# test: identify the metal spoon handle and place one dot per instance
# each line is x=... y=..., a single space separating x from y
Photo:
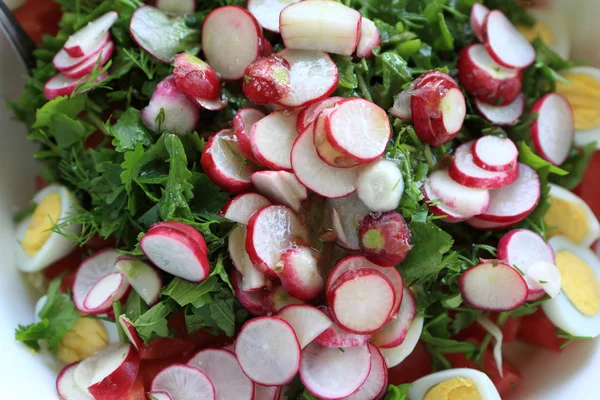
x=17 y=37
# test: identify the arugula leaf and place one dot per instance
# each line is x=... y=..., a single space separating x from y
x=135 y=307
x=153 y=322
x=397 y=392
x=184 y=292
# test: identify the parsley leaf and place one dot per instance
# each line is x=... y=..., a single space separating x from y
x=129 y=131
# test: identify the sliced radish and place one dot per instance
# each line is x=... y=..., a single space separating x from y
x=280 y=186
x=176 y=6
x=318 y=25
x=271 y=231
x=437 y=207
x=313 y=75
x=223 y=164
x=82 y=70
x=278 y=298
x=235 y=29
x=268 y=351
x=225 y=373
x=60 y=85
x=385 y=238
x=85 y=40
x=240 y=208
x=243 y=120
x=485 y=79
x=393 y=333
x=180 y=114
x=505 y=43
x=461 y=199
x=109 y=288
x=337 y=337
x=507 y=115
x=544 y=276
x=66 y=387
x=493 y=153
x=300 y=275
x=487 y=225
x=176 y=253
x=144 y=279
x=327 y=152
x=308 y=322
x=465 y=172
x=159 y=396
x=316 y=174
x=329 y=373
x=196 y=78
x=479 y=12
x=376 y=384
x=362 y=300
x=191 y=232
x=254 y=301
x=346 y=214
x=267 y=392
x=493 y=286
x=553 y=130
x=515 y=202
x=62 y=61
x=309 y=114
x=130 y=332
x=267 y=80
x=110 y=372
x=91 y=271
x=211 y=105
x=272 y=139
x=180 y=380
x=396 y=355
x=252 y=278
x=267 y=12
x=535 y=296
x=369 y=38
x=401 y=108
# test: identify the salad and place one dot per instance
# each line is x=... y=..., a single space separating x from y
x=281 y=199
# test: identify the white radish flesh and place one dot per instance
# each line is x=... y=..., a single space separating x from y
x=308 y=321
x=544 y=276
x=281 y=187
x=278 y=298
x=83 y=42
x=337 y=337
x=495 y=154
x=496 y=333
x=346 y=214
x=267 y=392
x=180 y=380
x=235 y=29
x=553 y=130
x=109 y=288
x=66 y=387
x=300 y=275
x=313 y=76
x=401 y=108
x=329 y=373
x=461 y=199
x=272 y=139
x=224 y=371
x=90 y=272
x=144 y=279
x=159 y=396
x=94 y=61
x=60 y=85
x=267 y=12
x=369 y=38
x=309 y=114
x=327 y=152
x=437 y=207
x=192 y=233
x=243 y=120
x=505 y=43
x=479 y=13
x=176 y=6
x=507 y=115
x=393 y=333
x=240 y=208
x=493 y=286
x=319 y=25
x=252 y=279
x=396 y=355
x=211 y=105
x=253 y=301
x=62 y=61
x=376 y=384
x=268 y=351
x=130 y=331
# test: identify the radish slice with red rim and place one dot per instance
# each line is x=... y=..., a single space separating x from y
x=66 y=387
x=337 y=337
x=109 y=288
x=144 y=279
x=157 y=395
x=85 y=40
x=346 y=214
x=553 y=130
x=377 y=381
x=243 y=120
x=505 y=43
x=437 y=207
x=62 y=61
x=369 y=38
x=90 y=272
x=88 y=66
x=252 y=279
x=461 y=199
x=401 y=108
x=300 y=275
x=395 y=355
x=394 y=332
x=479 y=13
x=487 y=225
x=329 y=373
x=267 y=12
x=493 y=286
x=268 y=392
x=240 y=208
x=493 y=153
x=189 y=231
x=130 y=332
x=544 y=276
x=507 y=115
x=180 y=380
x=277 y=298
x=211 y=105
x=309 y=114
x=60 y=85
x=268 y=351
x=308 y=321
x=253 y=301
x=224 y=371
x=327 y=152
x=176 y=6
x=280 y=186
x=272 y=139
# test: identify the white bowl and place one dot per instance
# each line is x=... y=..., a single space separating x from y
x=571 y=374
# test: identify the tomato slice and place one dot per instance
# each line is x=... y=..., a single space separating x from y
x=538 y=330
x=38 y=18
x=415 y=366
x=136 y=392
x=66 y=264
x=589 y=190
x=510 y=329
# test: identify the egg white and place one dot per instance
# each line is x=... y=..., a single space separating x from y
x=556 y=23
x=559 y=310
x=594 y=226
x=395 y=355
x=57 y=246
x=484 y=385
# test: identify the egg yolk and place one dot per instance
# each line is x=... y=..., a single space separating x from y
x=566 y=219
x=583 y=93
x=454 y=389
x=579 y=283
x=539 y=29
x=43 y=219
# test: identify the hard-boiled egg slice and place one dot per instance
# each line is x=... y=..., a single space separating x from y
x=570 y=216
x=577 y=309
x=551 y=27
x=583 y=93
x=457 y=383
x=37 y=245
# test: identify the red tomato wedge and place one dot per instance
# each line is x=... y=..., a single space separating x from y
x=38 y=18
x=538 y=330
x=415 y=366
x=66 y=264
x=136 y=392
x=588 y=189
x=510 y=330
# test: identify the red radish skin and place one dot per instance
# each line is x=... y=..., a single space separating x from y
x=485 y=79
x=395 y=355
x=223 y=166
x=62 y=61
x=317 y=25
x=235 y=29
x=487 y=225
x=176 y=6
x=130 y=332
x=272 y=139
x=464 y=171
x=329 y=373
x=268 y=351
x=385 y=238
x=252 y=279
x=479 y=13
x=361 y=301
x=266 y=47
x=267 y=80
x=224 y=371
x=369 y=38
x=240 y=208
x=60 y=85
x=337 y=337
x=243 y=120
x=66 y=387
x=513 y=203
x=85 y=40
x=553 y=130
x=196 y=78
x=251 y=301
x=507 y=46
x=277 y=298
x=142 y=277
x=300 y=275
x=267 y=13
x=280 y=186
x=313 y=77
x=309 y=114
x=307 y=321
x=460 y=199
x=82 y=70
x=376 y=384
x=507 y=115
x=331 y=155
x=496 y=154
x=211 y=105
x=268 y=392
x=493 y=286
x=90 y=272
x=393 y=333
x=437 y=207
x=109 y=288
x=191 y=232
x=346 y=214
x=179 y=380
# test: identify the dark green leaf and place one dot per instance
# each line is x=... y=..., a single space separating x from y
x=129 y=131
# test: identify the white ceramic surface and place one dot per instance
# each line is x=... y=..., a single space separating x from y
x=571 y=375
